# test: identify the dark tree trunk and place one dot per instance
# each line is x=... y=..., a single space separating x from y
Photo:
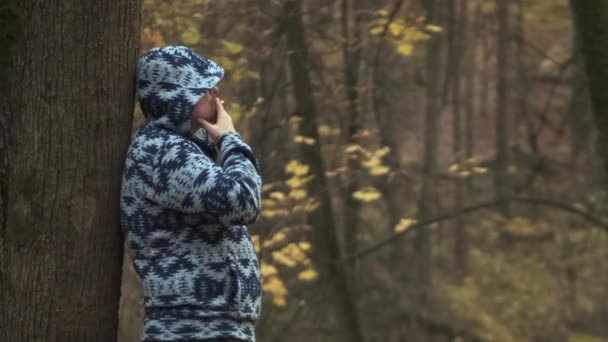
x=351 y=55
x=458 y=46
x=422 y=240
x=71 y=104
x=591 y=17
x=580 y=117
x=325 y=236
x=501 y=173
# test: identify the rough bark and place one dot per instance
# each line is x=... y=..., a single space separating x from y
x=71 y=100
x=325 y=236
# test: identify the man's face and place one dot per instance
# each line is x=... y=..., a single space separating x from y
x=206 y=107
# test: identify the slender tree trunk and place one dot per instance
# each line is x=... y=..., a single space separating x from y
x=591 y=18
x=580 y=112
x=351 y=55
x=471 y=61
x=458 y=46
x=422 y=240
x=71 y=104
x=325 y=236
x=501 y=173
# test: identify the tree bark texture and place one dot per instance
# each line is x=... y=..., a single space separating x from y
x=71 y=102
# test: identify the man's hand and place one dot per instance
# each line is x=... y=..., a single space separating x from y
x=222 y=125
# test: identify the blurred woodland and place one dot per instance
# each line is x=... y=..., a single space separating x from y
x=371 y=116
x=432 y=169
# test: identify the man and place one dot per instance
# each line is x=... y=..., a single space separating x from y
x=185 y=200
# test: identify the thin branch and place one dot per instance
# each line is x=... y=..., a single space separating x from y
x=540 y=201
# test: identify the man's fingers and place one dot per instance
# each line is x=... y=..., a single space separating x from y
x=220 y=105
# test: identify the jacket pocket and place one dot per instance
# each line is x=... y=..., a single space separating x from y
x=217 y=288
x=249 y=287
x=211 y=287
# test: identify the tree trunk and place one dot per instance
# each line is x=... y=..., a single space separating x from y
x=580 y=117
x=325 y=236
x=422 y=240
x=351 y=55
x=501 y=173
x=460 y=240
x=71 y=104
x=591 y=17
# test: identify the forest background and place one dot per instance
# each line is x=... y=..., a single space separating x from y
x=416 y=109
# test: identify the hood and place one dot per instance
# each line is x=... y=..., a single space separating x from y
x=170 y=82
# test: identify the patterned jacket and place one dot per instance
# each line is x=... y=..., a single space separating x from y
x=184 y=206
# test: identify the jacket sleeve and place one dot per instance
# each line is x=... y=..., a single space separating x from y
x=186 y=180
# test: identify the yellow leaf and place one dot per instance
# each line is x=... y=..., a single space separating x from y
x=404 y=224
x=379 y=170
x=405 y=49
x=283 y=259
x=481 y=170
x=269 y=186
x=367 y=194
x=277 y=195
x=304 y=140
x=253 y=75
x=454 y=168
x=293 y=252
x=354 y=148
x=304 y=245
x=273 y=213
x=311 y=205
x=307 y=275
x=372 y=162
x=276 y=287
x=434 y=28
x=382 y=12
x=376 y=30
x=268 y=203
x=296 y=168
x=381 y=152
x=395 y=28
x=279 y=301
x=297 y=194
x=255 y=240
x=266 y=270
x=473 y=160
x=325 y=130
x=579 y=206
x=191 y=36
x=232 y=47
x=297 y=182
x=276 y=238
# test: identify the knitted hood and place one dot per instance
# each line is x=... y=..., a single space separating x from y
x=170 y=82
